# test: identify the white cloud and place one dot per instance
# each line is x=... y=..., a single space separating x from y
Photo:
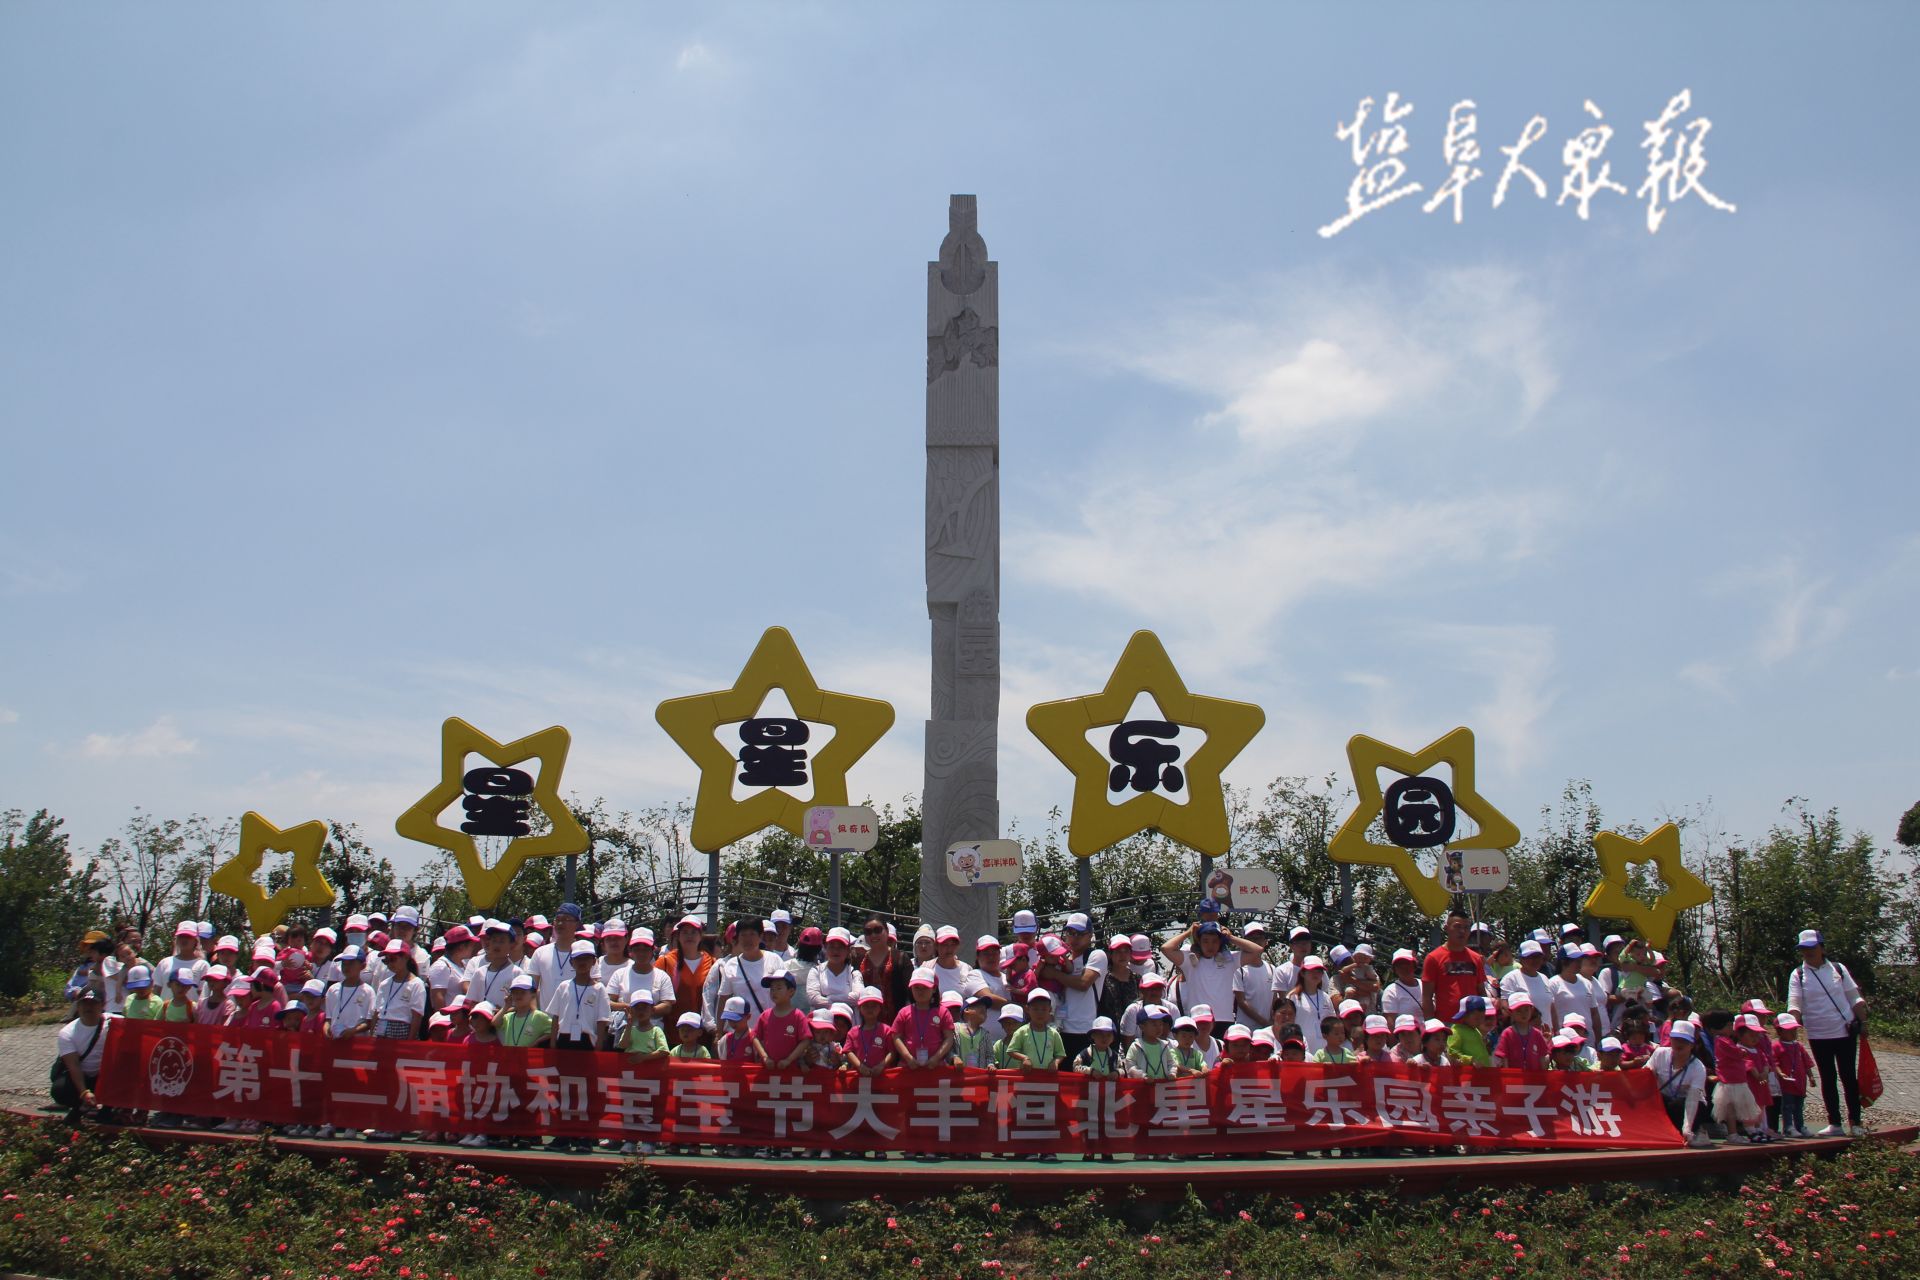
x=1710 y=676
x=9 y=716
x=158 y=740
x=693 y=56
x=1517 y=661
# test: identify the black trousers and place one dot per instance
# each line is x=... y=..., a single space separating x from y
x=1838 y=1056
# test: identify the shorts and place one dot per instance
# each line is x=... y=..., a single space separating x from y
x=1735 y=1104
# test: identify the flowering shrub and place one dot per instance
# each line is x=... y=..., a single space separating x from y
x=82 y=1204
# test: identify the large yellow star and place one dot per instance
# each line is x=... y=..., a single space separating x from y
x=1366 y=757
x=235 y=876
x=1095 y=822
x=718 y=818
x=1651 y=920
x=564 y=835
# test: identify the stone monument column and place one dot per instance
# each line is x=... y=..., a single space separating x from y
x=961 y=798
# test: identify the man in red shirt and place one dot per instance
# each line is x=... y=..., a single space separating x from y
x=1452 y=972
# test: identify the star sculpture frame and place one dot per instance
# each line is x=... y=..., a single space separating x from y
x=1366 y=757
x=565 y=835
x=693 y=723
x=236 y=876
x=1095 y=823
x=1612 y=898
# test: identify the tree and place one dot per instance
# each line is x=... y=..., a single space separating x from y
x=1909 y=833
x=48 y=903
x=150 y=869
x=362 y=880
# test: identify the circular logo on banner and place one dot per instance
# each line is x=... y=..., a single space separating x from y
x=169 y=1068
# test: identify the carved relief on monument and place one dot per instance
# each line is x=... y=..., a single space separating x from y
x=978 y=643
x=964 y=338
x=963 y=254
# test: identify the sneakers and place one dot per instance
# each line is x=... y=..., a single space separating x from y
x=474 y=1140
x=1856 y=1131
x=629 y=1148
x=648 y=1148
x=1701 y=1139
x=325 y=1131
x=1832 y=1131
x=227 y=1126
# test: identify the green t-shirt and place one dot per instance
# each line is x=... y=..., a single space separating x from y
x=1194 y=1059
x=1469 y=1043
x=171 y=1012
x=1499 y=971
x=518 y=1030
x=691 y=1051
x=144 y=1007
x=1043 y=1048
x=1343 y=1054
x=1105 y=1061
x=1578 y=1064
x=642 y=1041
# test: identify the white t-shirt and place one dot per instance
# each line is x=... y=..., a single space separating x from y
x=447 y=978
x=74 y=1037
x=1569 y=995
x=741 y=977
x=954 y=979
x=1825 y=998
x=1538 y=988
x=1674 y=1082
x=825 y=988
x=1308 y=1010
x=347 y=1007
x=550 y=966
x=1080 y=1008
x=1208 y=982
x=397 y=999
x=328 y=971
x=613 y=977
x=655 y=980
x=164 y=971
x=111 y=969
x=1399 y=998
x=488 y=984
x=579 y=1010
x=1255 y=982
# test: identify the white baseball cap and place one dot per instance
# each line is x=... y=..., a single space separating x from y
x=946 y=933
x=1078 y=922
x=986 y=942
x=782 y=916
x=1025 y=922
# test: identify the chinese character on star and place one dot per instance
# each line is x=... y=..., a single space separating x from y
x=1380 y=147
x=1418 y=813
x=771 y=755
x=496 y=801
x=1141 y=761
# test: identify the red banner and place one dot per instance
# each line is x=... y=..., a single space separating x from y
x=409 y=1086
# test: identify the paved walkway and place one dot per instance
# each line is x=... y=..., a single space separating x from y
x=25 y=1053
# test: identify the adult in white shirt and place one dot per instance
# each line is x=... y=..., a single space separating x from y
x=1312 y=1003
x=1286 y=974
x=950 y=972
x=1682 y=1078
x=490 y=975
x=80 y=1043
x=740 y=975
x=579 y=1006
x=447 y=976
x=778 y=939
x=549 y=964
x=1253 y=989
x=406 y=927
x=1206 y=971
x=1405 y=994
x=836 y=979
x=185 y=958
x=1529 y=979
x=1823 y=995
x=1081 y=977
x=1567 y=991
x=1153 y=991
x=643 y=974
x=326 y=965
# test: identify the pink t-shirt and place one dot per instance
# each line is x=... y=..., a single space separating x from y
x=261 y=1013
x=213 y=1013
x=923 y=1029
x=781 y=1033
x=868 y=1044
x=1525 y=1050
x=1730 y=1061
x=1794 y=1063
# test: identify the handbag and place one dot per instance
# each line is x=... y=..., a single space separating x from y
x=60 y=1084
x=1871 y=1085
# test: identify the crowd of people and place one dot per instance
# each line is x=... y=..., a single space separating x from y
x=775 y=993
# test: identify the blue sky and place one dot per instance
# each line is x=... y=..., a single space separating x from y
x=364 y=365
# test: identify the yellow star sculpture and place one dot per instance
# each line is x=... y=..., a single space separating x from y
x=235 y=876
x=693 y=722
x=1366 y=757
x=564 y=835
x=1651 y=920
x=1095 y=822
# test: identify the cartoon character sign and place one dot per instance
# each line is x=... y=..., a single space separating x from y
x=963 y=861
x=820 y=827
x=170 y=1068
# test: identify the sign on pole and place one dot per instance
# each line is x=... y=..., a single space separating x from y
x=1253 y=889
x=971 y=862
x=1476 y=871
x=847 y=828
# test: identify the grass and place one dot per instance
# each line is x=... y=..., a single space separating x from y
x=81 y=1203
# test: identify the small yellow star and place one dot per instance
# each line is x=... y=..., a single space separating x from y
x=1651 y=920
x=692 y=722
x=422 y=822
x=1095 y=822
x=235 y=876
x=1366 y=757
